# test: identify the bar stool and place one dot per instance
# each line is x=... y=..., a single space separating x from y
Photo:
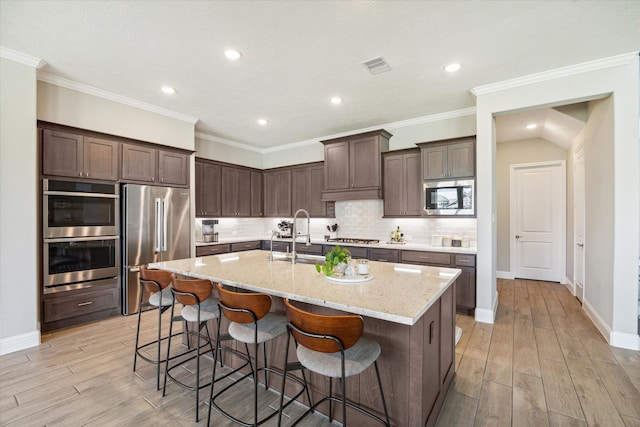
x=252 y=323
x=333 y=346
x=157 y=283
x=199 y=306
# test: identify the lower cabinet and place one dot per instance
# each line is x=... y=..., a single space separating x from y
x=212 y=249
x=74 y=307
x=245 y=246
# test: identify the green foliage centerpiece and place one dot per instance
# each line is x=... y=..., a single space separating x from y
x=334 y=258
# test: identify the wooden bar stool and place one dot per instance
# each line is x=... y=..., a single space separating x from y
x=157 y=283
x=198 y=307
x=333 y=346
x=252 y=323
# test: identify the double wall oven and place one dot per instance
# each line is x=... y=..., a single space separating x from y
x=81 y=234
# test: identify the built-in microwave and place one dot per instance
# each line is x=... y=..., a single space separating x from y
x=449 y=198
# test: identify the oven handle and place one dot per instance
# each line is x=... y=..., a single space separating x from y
x=73 y=193
x=81 y=239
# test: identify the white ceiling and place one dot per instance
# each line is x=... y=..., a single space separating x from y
x=296 y=55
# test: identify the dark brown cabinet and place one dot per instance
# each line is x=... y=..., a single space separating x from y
x=402 y=184
x=352 y=166
x=208 y=197
x=383 y=255
x=146 y=164
x=453 y=158
x=68 y=154
x=431 y=352
x=257 y=205
x=277 y=192
x=236 y=192
x=306 y=191
x=213 y=249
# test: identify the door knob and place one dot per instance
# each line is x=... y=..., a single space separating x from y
x=517 y=236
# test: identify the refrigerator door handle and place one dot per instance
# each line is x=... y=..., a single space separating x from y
x=164 y=225
x=158 y=231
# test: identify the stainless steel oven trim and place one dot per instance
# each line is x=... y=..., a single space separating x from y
x=76 y=277
x=449 y=212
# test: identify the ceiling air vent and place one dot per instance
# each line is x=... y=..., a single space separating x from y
x=377 y=65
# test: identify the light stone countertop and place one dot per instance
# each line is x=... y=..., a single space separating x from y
x=385 y=245
x=399 y=293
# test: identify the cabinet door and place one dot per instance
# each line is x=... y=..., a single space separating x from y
x=412 y=184
x=300 y=189
x=283 y=193
x=466 y=288
x=197 y=190
x=393 y=186
x=317 y=208
x=431 y=358
x=228 y=191
x=210 y=190
x=256 y=194
x=461 y=160
x=336 y=166
x=269 y=193
x=447 y=332
x=173 y=168
x=243 y=192
x=364 y=162
x=139 y=163
x=434 y=162
x=101 y=159
x=62 y=153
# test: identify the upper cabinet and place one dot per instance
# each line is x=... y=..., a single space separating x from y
x=306 y=190
x=208 y=189
x=277 y=192
x=402 y=184
x=256 y=193
x=454 y=158
x=352 y=166
x=68 y=154
x=236 y=191
x=143 y=163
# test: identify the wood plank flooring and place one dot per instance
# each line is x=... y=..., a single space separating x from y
x=541 y=363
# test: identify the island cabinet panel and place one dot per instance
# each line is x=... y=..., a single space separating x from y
x=257 y=204
x=208 y=189
x=212 y=249
x=71 y=155
x=431 y=351
x=277 y=193
x=454 y=158
x=353 y=166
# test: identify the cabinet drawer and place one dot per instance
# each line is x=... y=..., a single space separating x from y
x=212 y=250
x=428 y=258
x=465 y=260
x=78 y=304
x=277 y=246
x=383 y=255
x=245 y=246
x=356 y=251
x=313 y=249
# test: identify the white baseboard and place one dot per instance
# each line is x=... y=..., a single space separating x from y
x=569 y=285
x=19 y=342
x=566 y=281
x=622 y=340
x=600 y=324
x=504 y=275
x=487 y=315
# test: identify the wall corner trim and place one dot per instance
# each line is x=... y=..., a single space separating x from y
x=505 y=275
x=19 y=342
x=622 y=340
x=556 y=73
x=22 y=58
x=110 y=96
x=484 y=315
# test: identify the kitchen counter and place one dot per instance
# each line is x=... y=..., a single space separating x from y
x=397 y=293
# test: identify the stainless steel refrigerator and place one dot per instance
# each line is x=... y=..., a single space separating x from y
x=156 y=226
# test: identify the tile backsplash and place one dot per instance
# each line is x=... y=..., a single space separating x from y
x=359 y=219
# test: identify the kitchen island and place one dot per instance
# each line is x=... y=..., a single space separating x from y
x=408 y=309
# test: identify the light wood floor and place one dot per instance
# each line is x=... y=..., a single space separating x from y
x=541 y=363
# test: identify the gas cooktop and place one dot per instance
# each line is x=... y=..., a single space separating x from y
x=353 y=240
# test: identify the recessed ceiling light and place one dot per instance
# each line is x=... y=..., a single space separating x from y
x=168 y=90
x=452 y=68
x=531 y=126
x=232 y=54
x=336 y=100
x=262 y=122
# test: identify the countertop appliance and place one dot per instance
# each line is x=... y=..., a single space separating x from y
x=449 y=198
x=205 y=230
x=285 y=229
x=156 y=227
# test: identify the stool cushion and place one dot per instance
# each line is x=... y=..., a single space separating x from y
x=356 y=359
x=269 y=327
x=162 y=298
x=208 y=310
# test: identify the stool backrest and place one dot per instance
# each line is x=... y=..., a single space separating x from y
x=258 y=303
x=346 y=327
x=184 y=288
x=154 y=280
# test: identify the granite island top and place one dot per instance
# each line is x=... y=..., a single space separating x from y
x=399 y=293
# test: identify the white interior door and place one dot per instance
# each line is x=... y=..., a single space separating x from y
x=538 y=210
x=578 y=221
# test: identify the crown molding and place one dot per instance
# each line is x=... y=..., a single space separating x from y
x=110 y=96
x=224 y=141
x=21 y=58
x=556 y=73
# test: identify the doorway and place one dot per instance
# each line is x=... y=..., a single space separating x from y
x=538 y=220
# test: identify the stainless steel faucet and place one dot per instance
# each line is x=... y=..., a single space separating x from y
x=308 y=242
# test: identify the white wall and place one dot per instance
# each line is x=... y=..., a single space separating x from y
x=19 y=243
x=509 y=153
x=213 y=150
x=611 y=76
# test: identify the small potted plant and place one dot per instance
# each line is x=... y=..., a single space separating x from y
x=337 y=259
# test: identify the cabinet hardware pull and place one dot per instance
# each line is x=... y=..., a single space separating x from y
x=85 y=303
x=424 y=257
x=431 y=331
x=383 y=260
